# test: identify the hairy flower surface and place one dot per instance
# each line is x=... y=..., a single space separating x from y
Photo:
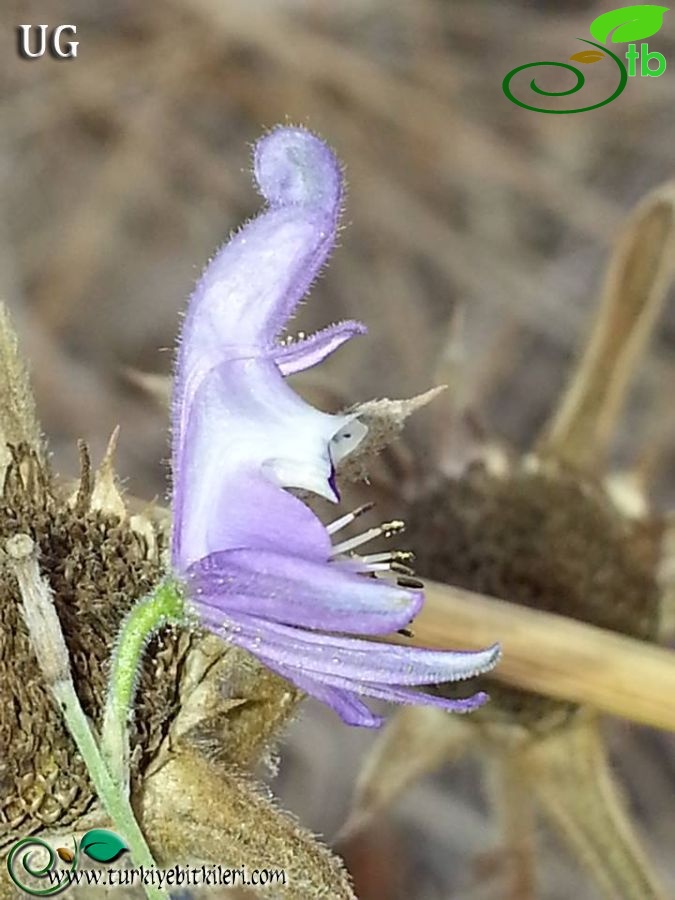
x=259 y=565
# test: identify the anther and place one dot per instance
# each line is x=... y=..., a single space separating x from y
x=387 y=529
x=396 y=526
x=405 y=581
x=394 y=556
x=401 y=569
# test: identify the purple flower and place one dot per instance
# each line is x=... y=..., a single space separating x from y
x=258 y=564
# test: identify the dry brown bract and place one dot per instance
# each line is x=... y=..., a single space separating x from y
x=549 y=532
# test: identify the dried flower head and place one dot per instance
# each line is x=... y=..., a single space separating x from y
x=97 y=564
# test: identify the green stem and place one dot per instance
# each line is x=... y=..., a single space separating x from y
x=164 y=605
x=110 y=792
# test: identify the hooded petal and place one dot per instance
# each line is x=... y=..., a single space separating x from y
x=234 y=418
x=295 y=591
x=252 y=285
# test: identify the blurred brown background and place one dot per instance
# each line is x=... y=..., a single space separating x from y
x=123 y=169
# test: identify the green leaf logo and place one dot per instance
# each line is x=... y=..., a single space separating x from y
x=630 y=23
x=102 y=845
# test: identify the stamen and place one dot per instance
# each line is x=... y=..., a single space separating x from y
x=387 y=529
x=392 y=561
x=374 y=567
x=402 y=556
x=287 y=339
x=400 y=569
x=396 y=526
x=343 y=521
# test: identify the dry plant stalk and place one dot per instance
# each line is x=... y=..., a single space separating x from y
x=555 y=655
x=636 y=285
x=575 y=578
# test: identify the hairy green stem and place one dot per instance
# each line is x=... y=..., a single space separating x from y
x=164 y=605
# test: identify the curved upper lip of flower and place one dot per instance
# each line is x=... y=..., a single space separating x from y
x=256 y=559
x=232 y=410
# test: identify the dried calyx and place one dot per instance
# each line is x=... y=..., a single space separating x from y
x=545 y=539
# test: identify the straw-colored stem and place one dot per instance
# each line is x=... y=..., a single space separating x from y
x=554 y=655
x=576 y=787
x=582 y=426
x=517 y=827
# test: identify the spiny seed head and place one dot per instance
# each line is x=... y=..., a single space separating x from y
x=96 y=566
x=544 y=539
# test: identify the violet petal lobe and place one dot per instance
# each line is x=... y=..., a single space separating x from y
x=346 y=704
x=345 y=689
x=305 y=592
x=335 y=655
x=303 y=354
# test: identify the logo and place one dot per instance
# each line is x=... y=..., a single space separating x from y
x=98 y=844
x=630 y=23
